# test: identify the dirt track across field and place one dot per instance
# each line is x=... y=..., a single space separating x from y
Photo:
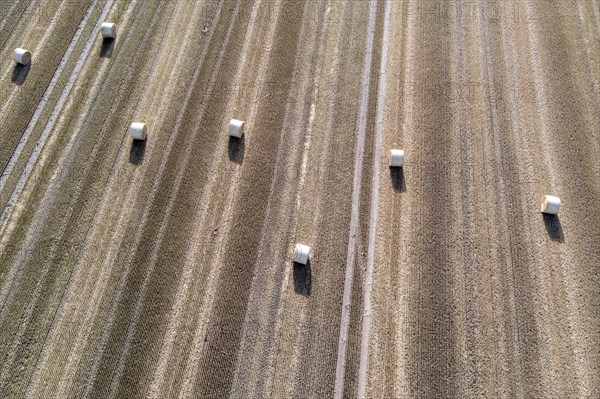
x=163 y=268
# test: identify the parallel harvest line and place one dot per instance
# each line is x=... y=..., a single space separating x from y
x=354 y=218
x=29 y=310
x=380 y=107
x=62 y=228
x=407 y=117
x=573 y=291
x=32 y=237
x=45 y=97
x=52 y=192
x=510 y=277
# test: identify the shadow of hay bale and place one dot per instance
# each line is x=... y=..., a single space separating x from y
x=302 y=278
x=108 y=45
x=398 y=180
x=19 y=73
x=236 y=149
x=137 y=152
x=553 y=227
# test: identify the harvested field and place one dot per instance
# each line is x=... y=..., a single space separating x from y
x=162 y=268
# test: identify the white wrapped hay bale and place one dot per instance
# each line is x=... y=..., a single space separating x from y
x=236 y=128
x=21 y=56
x=138 y=131
x=396 y=158
x=109 y=30
x=550 y=204
x=301 y=253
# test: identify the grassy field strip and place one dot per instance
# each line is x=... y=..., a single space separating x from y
x=260 y=86
x=572 y=255
x=117 y=236
x=191 y=368
x=86 y=314
x=258 y=370
x=203 y=204
x=515 y=343
x=154 y=191
x=55 y=112
x=407 y=113
x=22 y=87
x=343 y=118
x=89 y=311
x=232 y=193
x=274 y=271
x=59 y=231
x=188 y=183
x=152 y=35
x=15 y=89
x=574 y=290
x=544 y=127
x=65 y=160
x=317 y=343
x=156 y=23
x=49 y=89
x=367 y=310
x=4 y=17
x=171 y=205
x=7 y=17
x=119 y=372
x=3 y=222
x=43 y=274
x=106 y=109
x=50 y=163
x=176 y=317
x=358 y=163
x=275 y=274
x=10 y=280
x=29 y=33
x=217 y=364
x=119 y=231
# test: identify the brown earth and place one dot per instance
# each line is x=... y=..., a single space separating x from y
x=162 y=269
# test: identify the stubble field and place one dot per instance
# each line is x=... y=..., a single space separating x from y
x=163 y=268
